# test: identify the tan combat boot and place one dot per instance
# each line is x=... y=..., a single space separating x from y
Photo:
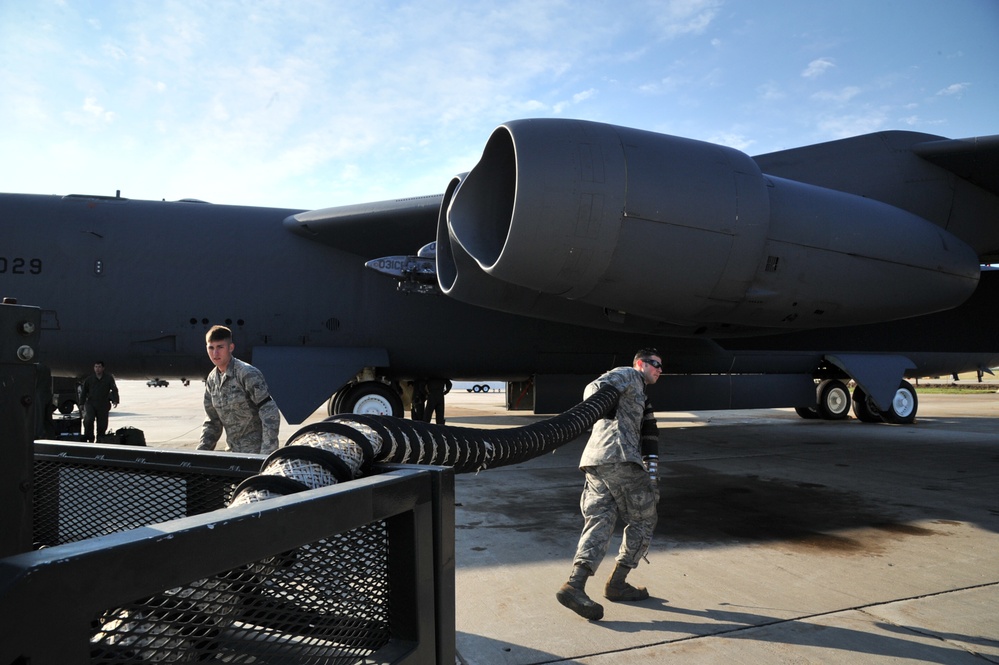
x=573 y=595
x=620 y=591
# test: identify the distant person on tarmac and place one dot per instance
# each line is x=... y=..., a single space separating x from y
x=436 y=389
x=98 y=394
x=419 y=401
x=237 y=400
x=621 y=463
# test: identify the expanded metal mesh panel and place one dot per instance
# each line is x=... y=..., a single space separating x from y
x=327 y=602
x=357 y=572
x=74 y=501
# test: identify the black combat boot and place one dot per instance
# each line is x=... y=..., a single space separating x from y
x=618 y=590
x=574 y=597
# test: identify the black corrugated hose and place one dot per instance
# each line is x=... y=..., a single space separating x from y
x=182 y=624
x=341 y=447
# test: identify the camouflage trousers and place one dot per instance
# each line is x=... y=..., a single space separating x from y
x=622 y=490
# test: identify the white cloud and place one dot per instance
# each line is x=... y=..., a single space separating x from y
x=114 y=51
x=667 y=84
x=91 y=115
x=91 y=106
x=841 y=96
x=818 y=67
x=771 y=91
x=844 y=126
x=676 y=18
x=953 y=89
x=732 y=140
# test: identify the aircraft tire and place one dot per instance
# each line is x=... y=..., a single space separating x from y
x=903 y=406
x=372 y=398
x=807 y=412
x=833 y=399
x=864 y=408
x=333 y=405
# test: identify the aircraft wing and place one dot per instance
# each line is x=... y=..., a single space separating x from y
x=952 y=183
x=371 y=229
x=975 y=159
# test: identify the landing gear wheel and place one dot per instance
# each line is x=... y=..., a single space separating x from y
x=807 y=412
x=864 y=407
x=903 y=405
x=333 y=405
x=371 y=398
x=833 y=399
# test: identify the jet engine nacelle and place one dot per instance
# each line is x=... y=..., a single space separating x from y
x=686 y=233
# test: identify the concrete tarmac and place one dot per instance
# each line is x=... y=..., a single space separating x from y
x=780 y=540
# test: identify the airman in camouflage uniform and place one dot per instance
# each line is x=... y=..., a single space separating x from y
x=237 y=400
x=621 y=466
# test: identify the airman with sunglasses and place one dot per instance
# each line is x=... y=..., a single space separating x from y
x=620 y=462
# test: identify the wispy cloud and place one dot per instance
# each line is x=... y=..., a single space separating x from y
x=953 y=89
x=676 y=18
x=90 y=114
x=843 y=126
x=771 y=91
x=841 y=96
x=732 y=140
x=818 y=67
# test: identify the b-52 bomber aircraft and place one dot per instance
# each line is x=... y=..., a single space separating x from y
x=765 y=281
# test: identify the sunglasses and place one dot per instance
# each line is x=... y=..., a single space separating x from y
x=654 y=363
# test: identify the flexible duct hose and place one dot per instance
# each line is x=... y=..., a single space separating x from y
x=183 y=623
x=341 y=447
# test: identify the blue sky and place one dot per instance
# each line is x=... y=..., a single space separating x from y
x=310 y=104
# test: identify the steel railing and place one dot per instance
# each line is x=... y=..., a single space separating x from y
x=137 y=560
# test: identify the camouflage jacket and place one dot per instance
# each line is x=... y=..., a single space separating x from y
x=617 y=438
x=239 y=402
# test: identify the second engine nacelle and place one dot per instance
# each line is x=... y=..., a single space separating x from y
x=690 y=233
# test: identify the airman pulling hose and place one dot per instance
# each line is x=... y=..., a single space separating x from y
x=183 y=624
